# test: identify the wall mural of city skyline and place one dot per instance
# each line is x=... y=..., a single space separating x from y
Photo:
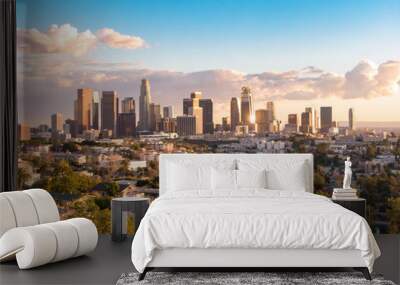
x=255 y=76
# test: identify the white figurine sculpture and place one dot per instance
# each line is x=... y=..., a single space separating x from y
x=347 y=174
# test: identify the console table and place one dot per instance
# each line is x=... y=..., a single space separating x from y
x=120 y=207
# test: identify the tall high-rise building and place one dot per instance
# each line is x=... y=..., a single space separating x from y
x=57 y=123
x=72 y=126
x=351 y=119
x=83 y=108
x=155 y=117
x=126 y=124
x=193 y=101
x=168 y=125
x=292 y=125
x=326 y=119
x=191 y=106
x=262 y=121
x=314 y=119
x=197 y=112
x=292 y=119
x=109 y=111
x=235 y=113
x=271 y=109
x=95 y=123
x=246 y=106
x=306 y=122
x=186 y=125
x=128 y=105
x=225 y=124
x=144 y=106
x=168 y=112
x=208 y=122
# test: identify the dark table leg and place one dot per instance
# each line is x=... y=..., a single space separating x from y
x=116 y=221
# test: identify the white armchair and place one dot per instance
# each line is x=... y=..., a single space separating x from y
x=31 y=230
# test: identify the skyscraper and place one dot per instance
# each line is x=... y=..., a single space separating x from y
x=144 y=106
x=246 y=106
x=235 y=113
x=208 y=122
x=186 y=125
x=109 y=111
x=262 y=121
x=126 y=124
x=292 y=119
x=128 y=105
x=197 y=112
x=83 y=108
x=225 y=124
x=271 y=109
x=191 y=106
x=168 y=125
x=351 y=119
x=95 y=111
x=72 y=126
x=56 y=123
x=314 y=119
x=326 y=119
x=306 y=122
x=155 y=117
x=194 y=100
x=168 y=112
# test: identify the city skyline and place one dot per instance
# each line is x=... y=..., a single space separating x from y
x=285 y=52
x=118 y=117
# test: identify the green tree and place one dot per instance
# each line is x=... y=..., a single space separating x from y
x=87 y=208
x=394 y=215
x=65 y=180
x=371 y=151
x=70 y=146
x=319 y=181
x=22 y=177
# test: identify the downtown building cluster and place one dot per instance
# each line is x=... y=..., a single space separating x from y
x=102 y=115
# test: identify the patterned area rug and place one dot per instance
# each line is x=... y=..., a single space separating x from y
x=229 y=278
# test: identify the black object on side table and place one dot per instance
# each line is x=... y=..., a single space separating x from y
x=357 y=205
x=119 y=214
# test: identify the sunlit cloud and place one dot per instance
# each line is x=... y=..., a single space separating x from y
x=66 y=39
x=116 y=40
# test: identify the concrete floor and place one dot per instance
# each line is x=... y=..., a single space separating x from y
x=103 y=266
x=110 y=260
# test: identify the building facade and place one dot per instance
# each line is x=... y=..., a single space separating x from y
x=168 y=112
x=109 y=111
x=326 y=119
x=235 y=113
x=128 y=105
x=144 y=105
x=83 y=106
x=208 y=120
x=126 y=124
x=246 y=106
x=186 y=125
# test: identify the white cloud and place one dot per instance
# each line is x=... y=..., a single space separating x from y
x=116 y=40
x=367 y=80
x=66 y=39
x=57 y=39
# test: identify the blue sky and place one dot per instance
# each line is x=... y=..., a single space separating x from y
x=249 y=36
